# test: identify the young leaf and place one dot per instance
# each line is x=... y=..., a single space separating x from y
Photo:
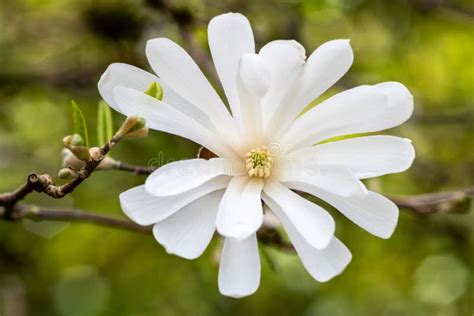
x=105 y=127
x=79 y=123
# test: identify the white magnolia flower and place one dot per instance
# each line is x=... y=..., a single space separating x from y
x=264 y=149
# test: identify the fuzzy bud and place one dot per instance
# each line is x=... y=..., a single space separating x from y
x=67 y=173
x=133 y=127
x=72 y=162
x=75 y=144
x=139 y=133
x=107 y=163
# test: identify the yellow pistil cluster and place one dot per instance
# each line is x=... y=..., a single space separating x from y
x=259 y=162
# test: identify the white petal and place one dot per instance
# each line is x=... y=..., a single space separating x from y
x=359 y=110
x=119 y=74
x=181 y=176
x=163 y=117
x=230 y=35
x=365 y=157
x=373 y=212
x=239 y=270
x=325 y=264
x=178 y=70
x=321 y=264
x=254 y=74
x=135 y=78
x=252 y=83
x=326 y=65
x=240 y=212
x=187 y=232
x=285 y=60
x=146 y=209
x=313 y=222
x=330 y=177
x=399 y=98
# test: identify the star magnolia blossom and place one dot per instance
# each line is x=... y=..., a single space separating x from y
x=264 y=149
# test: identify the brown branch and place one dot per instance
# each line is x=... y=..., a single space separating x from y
x=44 y=183
x=203 y=153
x=8 y=200
x=452 y=202
x=76 y=215
x=135 y=169
x=267 y=235
x=458 y=201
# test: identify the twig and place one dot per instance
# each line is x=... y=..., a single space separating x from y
x=458 y=201
x=135 y=169
x=453 y=202
x=266 y=235
x=76 y=215
x=44 y=183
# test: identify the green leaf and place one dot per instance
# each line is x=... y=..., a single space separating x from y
x=105 y=129
x=79 y=123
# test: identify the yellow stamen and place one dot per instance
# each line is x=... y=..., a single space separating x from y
x=259 y=162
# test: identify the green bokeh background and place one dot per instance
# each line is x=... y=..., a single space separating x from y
x=52 y=51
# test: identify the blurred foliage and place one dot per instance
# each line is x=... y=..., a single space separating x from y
x=52 y=51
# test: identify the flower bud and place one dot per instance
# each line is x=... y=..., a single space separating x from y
x=75 y=144
x=73 y=140
x=155 y=91
x=67 y=173
x=133 y=127
x=71 y=161
x=129 y=123
x=139 y=133
x=107 y=163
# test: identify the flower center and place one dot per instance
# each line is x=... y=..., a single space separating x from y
x=259 y=162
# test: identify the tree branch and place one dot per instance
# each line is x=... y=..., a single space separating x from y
x=453 y=202
x=76 y=215
x=44 y=183
x=458 y=201
x=135 y=169
x=266 y=235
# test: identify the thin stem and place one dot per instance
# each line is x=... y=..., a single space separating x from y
x=454 y=202
x=77 y=215
x=266 y=235
x=458 y=201
x=135 y=169
x=44 y=183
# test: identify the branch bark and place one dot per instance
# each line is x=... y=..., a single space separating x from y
x=44 y=183
x=452 y=202
x=267 y=235
x=76 y=215
x=458 y=201
x=135 y=169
